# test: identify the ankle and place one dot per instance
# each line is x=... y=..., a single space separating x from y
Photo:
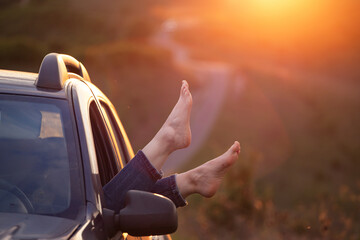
x=194 y=179
x=186 y=184
x=166 y=139
x=155 y=153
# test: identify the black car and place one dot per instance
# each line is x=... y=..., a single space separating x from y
x=60 y=142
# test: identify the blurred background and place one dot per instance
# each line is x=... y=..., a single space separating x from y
x=282 y=77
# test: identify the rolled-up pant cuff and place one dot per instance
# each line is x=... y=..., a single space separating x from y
x=168 y=188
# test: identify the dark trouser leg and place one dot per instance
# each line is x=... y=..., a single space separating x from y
x=138 y=174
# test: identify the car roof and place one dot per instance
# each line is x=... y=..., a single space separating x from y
x=16 y=82
x=51 y=81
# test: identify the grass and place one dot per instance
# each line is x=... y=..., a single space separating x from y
x=297 y=174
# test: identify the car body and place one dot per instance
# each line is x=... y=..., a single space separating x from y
x=61 y=140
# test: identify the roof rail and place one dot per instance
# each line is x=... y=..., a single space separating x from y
x=54 y=71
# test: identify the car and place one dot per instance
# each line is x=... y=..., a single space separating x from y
x=61 y=141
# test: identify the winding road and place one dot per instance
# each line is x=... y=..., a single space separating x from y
x=207 y=100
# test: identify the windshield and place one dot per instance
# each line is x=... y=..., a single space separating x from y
x=39 y=170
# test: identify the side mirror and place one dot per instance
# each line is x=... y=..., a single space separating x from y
x=144 y=214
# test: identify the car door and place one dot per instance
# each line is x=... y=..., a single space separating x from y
x=113 y=149
x=92 y=145
x=121 y=141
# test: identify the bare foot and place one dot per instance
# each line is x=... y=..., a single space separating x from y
x=176 y=129
x=206 y=178
x=175 y=133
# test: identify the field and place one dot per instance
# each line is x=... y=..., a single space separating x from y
x=292 y=100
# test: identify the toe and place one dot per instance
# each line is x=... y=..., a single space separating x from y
x=236 y=147
x=184 y=88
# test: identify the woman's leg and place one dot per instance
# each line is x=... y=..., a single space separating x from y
x=142 y=172
x=204 y=180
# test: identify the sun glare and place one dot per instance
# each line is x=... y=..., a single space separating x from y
x=275 y=10
x=276 y=7
x=286 y=22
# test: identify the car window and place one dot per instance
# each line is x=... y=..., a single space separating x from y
x=117 y=133
x=104 y=151
x=39 y=170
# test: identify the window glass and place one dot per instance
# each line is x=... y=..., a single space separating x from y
x=103 y=146
x=39 y=171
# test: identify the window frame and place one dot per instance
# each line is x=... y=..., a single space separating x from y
x=118 y=136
